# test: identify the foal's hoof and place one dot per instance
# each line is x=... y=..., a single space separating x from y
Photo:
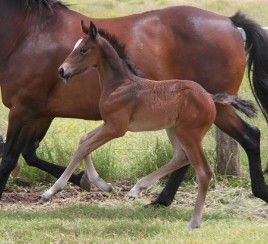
x=43 y=199
x=109 y=188
x=85 y=183
x=132 y=195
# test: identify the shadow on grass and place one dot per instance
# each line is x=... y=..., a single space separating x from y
x=82 y=211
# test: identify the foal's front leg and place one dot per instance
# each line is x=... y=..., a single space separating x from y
x=99 y=136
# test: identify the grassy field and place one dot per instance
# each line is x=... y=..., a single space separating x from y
x=126 y=224
x=232 y=215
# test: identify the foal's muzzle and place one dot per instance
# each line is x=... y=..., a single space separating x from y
x=64 y=74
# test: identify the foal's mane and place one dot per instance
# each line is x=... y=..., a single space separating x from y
x=44 y=4
x=121 y=51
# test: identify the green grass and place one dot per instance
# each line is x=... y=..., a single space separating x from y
x=231 y=216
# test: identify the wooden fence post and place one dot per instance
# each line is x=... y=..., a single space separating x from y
x=228 y=157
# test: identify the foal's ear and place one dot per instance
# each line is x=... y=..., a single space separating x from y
x=84 y=28
x=93 y=30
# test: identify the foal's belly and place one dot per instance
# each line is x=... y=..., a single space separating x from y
x=139 y=126
x=150 y=121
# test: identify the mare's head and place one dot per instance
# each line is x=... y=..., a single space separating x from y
x=84 y=55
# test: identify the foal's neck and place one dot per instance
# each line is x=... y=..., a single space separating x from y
x=113 y=71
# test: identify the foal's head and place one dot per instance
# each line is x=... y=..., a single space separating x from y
x=84 y=54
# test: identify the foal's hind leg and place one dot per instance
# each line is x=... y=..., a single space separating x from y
x=94 y=177
x=179 y=160
x=196 y=156
x=249 y=138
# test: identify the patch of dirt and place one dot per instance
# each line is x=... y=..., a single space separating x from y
x=28 y=196
x=238 y=201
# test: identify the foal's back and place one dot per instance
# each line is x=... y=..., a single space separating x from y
x=166 y=104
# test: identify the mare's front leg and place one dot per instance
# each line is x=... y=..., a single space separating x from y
x=99 y=136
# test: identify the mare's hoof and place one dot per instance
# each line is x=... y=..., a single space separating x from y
x=84 y=182
x=156 y=203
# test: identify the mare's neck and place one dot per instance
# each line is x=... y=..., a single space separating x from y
x=11 y=25
x=18 y=21
x=113 y=71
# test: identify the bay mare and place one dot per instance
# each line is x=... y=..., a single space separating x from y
x=34 y=43
x=132 y=103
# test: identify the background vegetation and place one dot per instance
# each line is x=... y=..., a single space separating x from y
x=137 y=153
x=232 y=215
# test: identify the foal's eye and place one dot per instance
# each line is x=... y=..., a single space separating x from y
x=83 y=50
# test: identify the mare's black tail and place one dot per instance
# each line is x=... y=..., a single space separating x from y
x=245 y=106
x=257 y=50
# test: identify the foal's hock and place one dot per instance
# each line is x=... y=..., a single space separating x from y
x=131 y=103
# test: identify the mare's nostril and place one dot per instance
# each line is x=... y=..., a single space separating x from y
x=61 y=72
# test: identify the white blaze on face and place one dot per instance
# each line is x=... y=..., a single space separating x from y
x=77 y=43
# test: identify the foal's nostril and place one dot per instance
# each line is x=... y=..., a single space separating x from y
x=61 y=72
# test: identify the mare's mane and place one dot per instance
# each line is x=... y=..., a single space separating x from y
x=121 y=51
x=44 y=4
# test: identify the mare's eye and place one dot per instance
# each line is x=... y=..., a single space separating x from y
x=83 y=50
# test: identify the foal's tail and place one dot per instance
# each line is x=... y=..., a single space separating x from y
x=257 y=50
x=245 y=106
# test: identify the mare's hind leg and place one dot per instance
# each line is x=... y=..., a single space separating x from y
x=249 y=138
x=178 y=160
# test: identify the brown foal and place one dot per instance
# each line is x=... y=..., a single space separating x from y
x=131 y=103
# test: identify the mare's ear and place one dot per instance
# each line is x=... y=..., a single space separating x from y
x=84 y=28
x=93 y=30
